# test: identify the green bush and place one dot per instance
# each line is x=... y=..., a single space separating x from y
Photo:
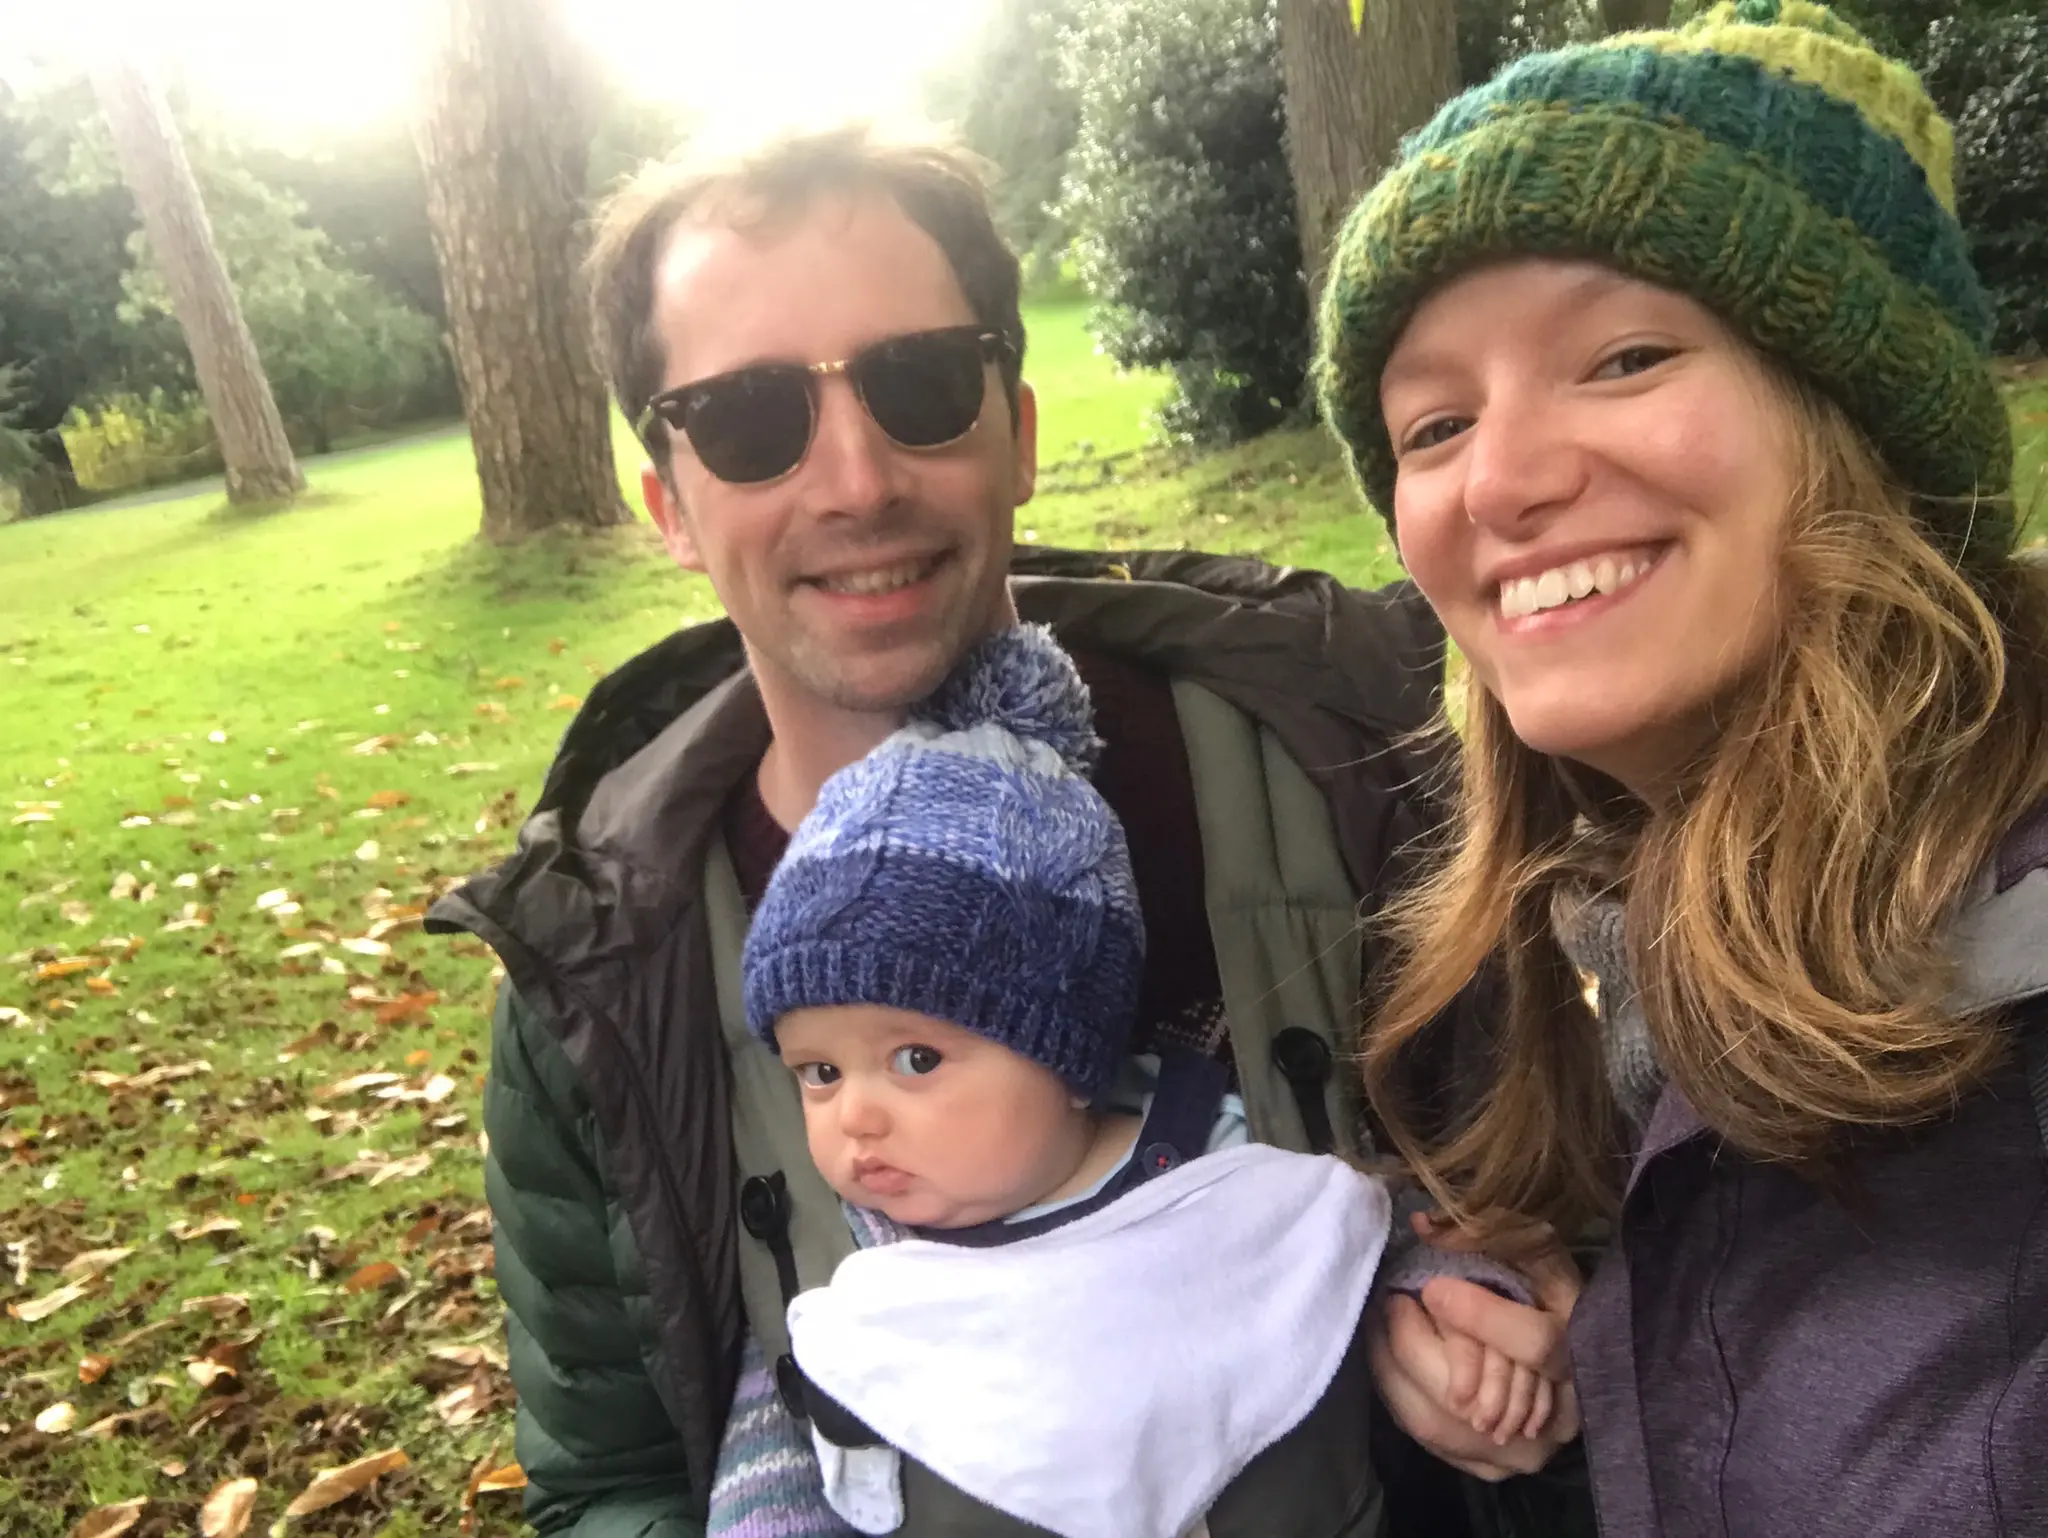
x=1990 y=74
x=1182 y=210
x=125 y=442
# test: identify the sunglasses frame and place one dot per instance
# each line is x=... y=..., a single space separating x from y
x=995 y=348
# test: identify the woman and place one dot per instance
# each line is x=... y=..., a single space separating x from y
x=1666 y=359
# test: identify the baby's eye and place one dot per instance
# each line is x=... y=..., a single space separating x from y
x=816 y=1075
x=916 y=1061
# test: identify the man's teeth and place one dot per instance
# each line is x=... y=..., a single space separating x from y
x=1520 y=596
x=882 y=579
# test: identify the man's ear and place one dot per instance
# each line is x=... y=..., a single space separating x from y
x=666 y=510
x=1026 y=437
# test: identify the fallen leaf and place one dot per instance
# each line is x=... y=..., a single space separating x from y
x=303 y=948
x=208 y=1373
x=565 y=702
x=370 y=746
x=394 y=923
x=92 y=1263
x=110 y=1521
x=99 y=985
x=418 y=1059
x=510 y=681
x=223 y=1306
x=386 y=799
x=332 y=1485
x=58 y=1418
x=68 y=966
x=356 y=947
x=557 y=646
x=93 y=1368
x=464 y=1403
x=108 y=1425
x=404 y=1169
x=77 y=912
x=510 y=1477
x=185 y=1233
x=319 y=1036
x=24 y=819
x=375 y=1277
x=406 y=1006
x=437 y=1089
x=175 y=1469
x=276 y=897
x=461 y=769
x=356 y=1084
x=226 y=1512
x=48 y=1303
x=367 y=851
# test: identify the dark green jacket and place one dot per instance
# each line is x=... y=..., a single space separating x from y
x=613 y=1171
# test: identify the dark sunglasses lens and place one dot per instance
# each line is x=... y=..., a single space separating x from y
x=750 y=426
x=923 y=390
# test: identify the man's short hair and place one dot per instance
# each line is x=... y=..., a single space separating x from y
x=939 y=188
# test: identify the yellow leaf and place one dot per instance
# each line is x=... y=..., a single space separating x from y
x=386 y=799
x=49 y=1303
x=52 y=970
x=93 y=1368
x=331 y=1485
x=58 y=1418
x=226 y=1512
x=99 y=985
x=1357 y=15
x=90 y=1263
x=109 y=1521
x=510 y=1477
x=564 y=702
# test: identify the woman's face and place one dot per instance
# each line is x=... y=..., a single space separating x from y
x=1594 y=482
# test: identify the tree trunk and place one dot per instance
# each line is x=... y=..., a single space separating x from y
x=1350 y=97
x=258 y=457
x=1629 y=15
x=503 y=138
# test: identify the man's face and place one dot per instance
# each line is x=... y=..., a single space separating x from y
x=861 y=577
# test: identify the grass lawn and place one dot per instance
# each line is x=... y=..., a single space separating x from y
x=238 y=1088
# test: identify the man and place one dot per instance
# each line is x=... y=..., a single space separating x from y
x=821 y=349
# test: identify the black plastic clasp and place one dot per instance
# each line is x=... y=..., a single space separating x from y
x=1304 y=1060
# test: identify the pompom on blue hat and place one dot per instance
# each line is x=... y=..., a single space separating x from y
x=966 y=869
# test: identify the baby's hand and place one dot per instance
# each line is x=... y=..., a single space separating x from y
x=1493 y=1393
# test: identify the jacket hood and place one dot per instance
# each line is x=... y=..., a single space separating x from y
x=2000 y=938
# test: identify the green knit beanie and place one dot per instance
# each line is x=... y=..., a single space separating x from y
x=1765 y=160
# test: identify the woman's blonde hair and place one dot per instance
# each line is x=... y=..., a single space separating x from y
x=1785 y=913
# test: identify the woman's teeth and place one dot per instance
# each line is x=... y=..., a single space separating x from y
x=1521 y=596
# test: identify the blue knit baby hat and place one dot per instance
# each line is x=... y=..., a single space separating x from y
x=966 y=869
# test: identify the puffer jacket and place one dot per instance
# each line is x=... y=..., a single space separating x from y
x=613 y=1171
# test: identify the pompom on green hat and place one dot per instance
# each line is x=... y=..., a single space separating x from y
x=1764 y=159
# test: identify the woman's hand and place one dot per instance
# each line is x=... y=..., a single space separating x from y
x=1446 y=1367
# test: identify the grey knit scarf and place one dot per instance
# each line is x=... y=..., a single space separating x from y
x=1588 y=927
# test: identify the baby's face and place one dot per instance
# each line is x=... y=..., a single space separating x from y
x=928 y=1123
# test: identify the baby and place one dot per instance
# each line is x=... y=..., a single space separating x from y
x=948 y=959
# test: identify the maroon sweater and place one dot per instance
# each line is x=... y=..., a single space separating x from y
x=1143 y=775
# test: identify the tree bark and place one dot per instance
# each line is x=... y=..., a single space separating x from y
x=258 y=456
x=1350 y=96
x=503 y=137
x=1628 y=15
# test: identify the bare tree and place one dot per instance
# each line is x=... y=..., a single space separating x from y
x=1627 y=15
x=1351 y=95
x=260 y=466
x=503 y=136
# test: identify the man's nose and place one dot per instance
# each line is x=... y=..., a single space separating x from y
x=854 y=467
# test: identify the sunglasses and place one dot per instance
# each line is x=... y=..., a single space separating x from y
x=924 y=389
